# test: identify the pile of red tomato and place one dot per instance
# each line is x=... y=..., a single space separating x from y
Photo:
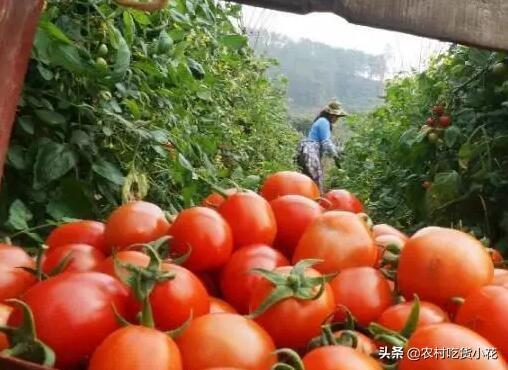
x=247 y=281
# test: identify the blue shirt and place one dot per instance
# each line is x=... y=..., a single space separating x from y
x=320 y=130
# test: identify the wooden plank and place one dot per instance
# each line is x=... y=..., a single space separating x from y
x=9 y=363
x=481 y=23
x=18 y=21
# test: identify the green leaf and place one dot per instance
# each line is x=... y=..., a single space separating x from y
x=129 y=27
x=16 y=157
x=54 y=31
x=234 y=42
x=50 y=117
x=140 y=17
x=123 y=57
x=204 y=94
x=165 y=42
x=184 y=162
x=197 y=69
x=67 y=56
x=451 y=136
x=70 y=201
x=19 y=216
x=45 y=73
x=52 y=161
x=27 y=124
x=109 y=171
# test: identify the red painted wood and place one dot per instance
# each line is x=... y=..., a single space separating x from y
x=18 y=22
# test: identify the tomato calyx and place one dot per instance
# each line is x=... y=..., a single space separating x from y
x=295 y=285
x=394 y=338
x=23 y=339
x=290 y=360
x=366 y=218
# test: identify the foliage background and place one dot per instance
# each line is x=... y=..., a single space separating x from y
x=179 y=97
x=388 y=157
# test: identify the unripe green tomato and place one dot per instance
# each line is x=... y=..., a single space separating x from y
x=103 y=50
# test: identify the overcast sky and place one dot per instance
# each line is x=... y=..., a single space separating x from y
x=407 y=51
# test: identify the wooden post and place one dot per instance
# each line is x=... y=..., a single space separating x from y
x=18 y=22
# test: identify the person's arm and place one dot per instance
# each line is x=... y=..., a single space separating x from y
x=325 y=138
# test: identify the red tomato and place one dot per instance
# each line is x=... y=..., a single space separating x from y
x=225 y=340
x=341 y=200
x=431 y=122
x=292 y=322
x=293 y=214
x=219 y=306
x=224 y=368
x=445 y=121
x=384 y=229
x=174 y=301
x=83 y=258
x=130 y=257
x=206 y=233
x=395 y=317
x=137 y=348
x=251 y=219
x=237 y=281
x=364 y=291
x=340 y=239
x=79 y=232
x=365 y=345
x=289 y=183
x=338 y=358
x=13 y=280
x=455 y=338
x=73 y=313
x=500 y=277
x=439 y=264
x=495 y=255
x=5 y=313
x=135 y=222
x=214 y=200
x=485 y=311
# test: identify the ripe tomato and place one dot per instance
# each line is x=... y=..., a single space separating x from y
x=219 y=306
x=338 y=358
x=251 y=219
x=237 y=281
x=293 y=214
x=485 y=311
x=438 y=110
x=214 y=200
x=174 y=301
x=449 y=336
x=225 y=340
x=13 y=280
x=340 y=239
x=137 y=348
x=73 y=313
x=364 y=291
x=495 y=255
x=83 y=257
x=206 y=233
x=5 y=313
x=289 y=183
x=135 y=222
x=395 y=317
x=130 y=257
x=292 y=322
x=341 y=200
x=439 y=264
x=384 y=229
x=431 y=122
x=79 y=232
x=500 y=277
x=445 y=121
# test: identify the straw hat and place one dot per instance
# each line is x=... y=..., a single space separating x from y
x=334 y=108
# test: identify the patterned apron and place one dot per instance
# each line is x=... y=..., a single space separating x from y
x=309 y=160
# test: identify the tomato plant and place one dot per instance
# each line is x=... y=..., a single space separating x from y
x=204 y=233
